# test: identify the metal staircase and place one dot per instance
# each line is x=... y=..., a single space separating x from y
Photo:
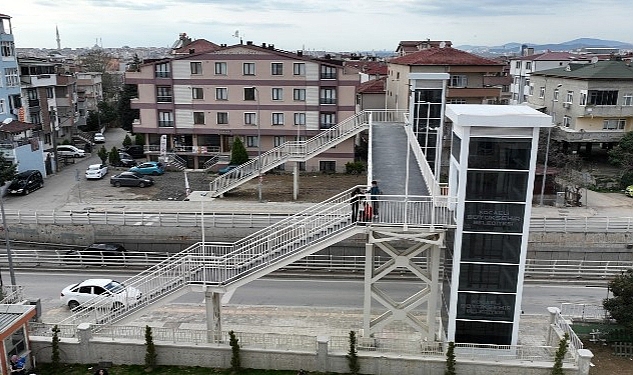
x=175 y=161
x=222 y=267
x=291 y=151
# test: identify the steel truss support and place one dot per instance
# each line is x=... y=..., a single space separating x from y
x=386 y=240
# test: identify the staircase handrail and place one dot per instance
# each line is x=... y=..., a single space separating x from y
x=300 y=150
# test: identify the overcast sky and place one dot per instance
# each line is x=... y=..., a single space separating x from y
x=333 y=25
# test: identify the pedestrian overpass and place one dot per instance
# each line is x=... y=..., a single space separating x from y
x=421 y=224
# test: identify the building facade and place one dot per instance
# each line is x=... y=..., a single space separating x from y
x=265 y=96
x=591 y=104
x=10 y=102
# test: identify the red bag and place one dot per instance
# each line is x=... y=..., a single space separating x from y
x=367 y=212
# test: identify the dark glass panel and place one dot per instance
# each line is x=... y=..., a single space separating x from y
x=483 y=333
x=497 y=186
x=499 y=153
x=504 y=248
x=488 y=277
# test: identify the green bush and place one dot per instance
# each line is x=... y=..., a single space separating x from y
x=127 y=141
x=352 y=355
x=236 y=362
x=626 y=180
x=139 y=139
x=150 y=349
x=355 y=167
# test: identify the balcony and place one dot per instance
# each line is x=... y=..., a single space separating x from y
x=575 y=136
x=328 y=75
x=327 y=101
x=608 y=111
x=165 y=124
x=163 y=74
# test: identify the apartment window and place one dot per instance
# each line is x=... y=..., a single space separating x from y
x=278 y=140
x=517 y=65
x=11 y=77
x=2 y=108
x=627 y=100
x=541 y=92
x=7 y=48
x=570 y=97
x=299 y=69
x=197 y=93
x=250 y=118
x=196 y=67
x=278 y=94
x=249 y=93
x=462 y=101
x=556 y=95
x=248 y=69
x=603 y=97
x=198 y=118
x=505 y=88
x=459 y=81
x=252 y=141
x=36 y=119
x=528 y=65
x=277 y=69
x=566 y=121
x=50 y=92
x=31 y=94
x=278 y=118
x=327 y=120
x=531 y=92
x=222 y=118
x=583 y=98
x=299 y=95
x=165 y=119
x=613 y=124
x=300 y=118
x=163 y=94
x=327 y=166
x=162 y=70
x=220 y=68
x=221 y=93
x=16 y=343
x=328 y=72
x=327 y=95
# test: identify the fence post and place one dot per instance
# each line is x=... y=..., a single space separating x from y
x=584 y=361
x=553 y=312
x=322 y=354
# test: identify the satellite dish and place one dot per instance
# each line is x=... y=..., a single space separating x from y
x=7 y=120
x=594 y=59
x=442 y=44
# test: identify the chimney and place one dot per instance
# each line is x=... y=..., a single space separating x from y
x=263 y=45
x=299 y=53
x=249 y=42
x=271 y=46
x=192 y=50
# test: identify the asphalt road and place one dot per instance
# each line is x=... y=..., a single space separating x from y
x=46 y=286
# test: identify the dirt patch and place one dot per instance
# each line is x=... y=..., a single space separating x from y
x=606 y=363
x=313 y=187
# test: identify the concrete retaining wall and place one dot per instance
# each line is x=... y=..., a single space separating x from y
x=219 y=356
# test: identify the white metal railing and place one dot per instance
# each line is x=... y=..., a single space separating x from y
x=583 y=312
x=505 y=353
x=428 y=175
x=225 y=265
x=11 y=294
x=594 y=224
x=289 y=151
x=563 y=326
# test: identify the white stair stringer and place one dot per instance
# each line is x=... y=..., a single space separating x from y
x=291 y=151
x=223 y=267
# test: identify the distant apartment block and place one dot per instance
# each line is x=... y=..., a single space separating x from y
x=10 y=85
x=202 y=101
x=591 y=104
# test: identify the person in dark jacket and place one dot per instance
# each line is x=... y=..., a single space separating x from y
x=374 y=192
x=355 y=200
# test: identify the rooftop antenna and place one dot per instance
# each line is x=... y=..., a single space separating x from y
x=236 y=34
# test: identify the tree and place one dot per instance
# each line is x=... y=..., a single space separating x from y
x=150 y=349
x=127 y=141
x=622 y=156
x=55 y=361
x=620 y=306
x=7 y=170
x=114 y=156
x=560 y=356
x=238 y=152
x=352 y=355
x=135 y=65
x=127 y=115
x=236 y=362
x=139 y=139
x=103 y=154
x=450 y=359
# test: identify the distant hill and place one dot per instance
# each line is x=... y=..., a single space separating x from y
x=515 y=48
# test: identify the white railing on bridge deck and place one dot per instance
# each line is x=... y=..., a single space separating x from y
x=561 y=326
x=427 y=174
x=222 y=265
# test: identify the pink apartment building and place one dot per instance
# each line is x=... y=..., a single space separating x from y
x=201 y=101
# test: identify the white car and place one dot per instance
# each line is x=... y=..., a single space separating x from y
x=98 y=138
x=108 y=292
x=70 y=151
x=96 y=171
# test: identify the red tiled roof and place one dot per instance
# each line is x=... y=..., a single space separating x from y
x=198 y=45
x=442 y=56
x=375 y=86
x=369 y=67
x=16 y=126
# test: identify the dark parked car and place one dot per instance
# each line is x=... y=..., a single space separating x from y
x=131 y=179
x=26 y=182
x=125 y=160
x=136 y=151
x=101 y=249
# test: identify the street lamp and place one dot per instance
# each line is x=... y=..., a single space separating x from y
x=549 y=135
